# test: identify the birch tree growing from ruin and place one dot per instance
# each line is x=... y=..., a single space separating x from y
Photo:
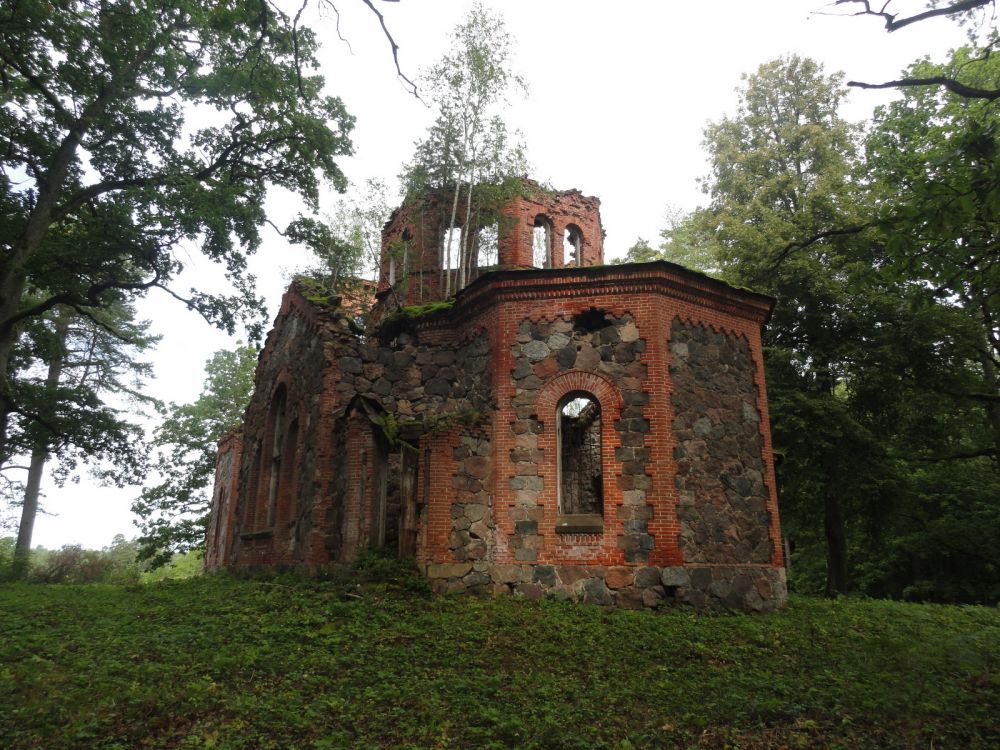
x=468 y=149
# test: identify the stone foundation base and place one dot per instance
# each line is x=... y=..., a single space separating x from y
x=748 y=589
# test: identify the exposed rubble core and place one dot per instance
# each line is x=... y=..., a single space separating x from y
x=582 y=431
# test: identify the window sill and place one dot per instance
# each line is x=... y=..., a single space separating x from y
x=583 y=523
x=262 y=534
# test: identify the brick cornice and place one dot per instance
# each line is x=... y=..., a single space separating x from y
x=658 y=277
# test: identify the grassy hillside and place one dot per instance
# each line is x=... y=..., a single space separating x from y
x=217 y=663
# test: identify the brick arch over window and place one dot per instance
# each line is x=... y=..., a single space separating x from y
x=579 y=380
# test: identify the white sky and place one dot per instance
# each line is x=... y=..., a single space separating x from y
x=619 y=95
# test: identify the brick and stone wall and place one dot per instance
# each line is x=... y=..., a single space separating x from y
x=439 y=432
x=722 y=503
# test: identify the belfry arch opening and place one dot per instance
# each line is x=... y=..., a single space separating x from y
x=572 y=246
x=488 y=246
x=451 y=248
x=580 y=469
x=541 y=242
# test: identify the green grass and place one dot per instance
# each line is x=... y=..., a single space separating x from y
x=213 y=662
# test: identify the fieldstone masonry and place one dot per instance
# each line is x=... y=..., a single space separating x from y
x=438 y=431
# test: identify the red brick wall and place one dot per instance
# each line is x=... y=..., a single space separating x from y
x=422 y=223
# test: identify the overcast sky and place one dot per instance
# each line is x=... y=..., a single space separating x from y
x=619 y=95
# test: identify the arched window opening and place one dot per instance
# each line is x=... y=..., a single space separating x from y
x=277 y=443
x=541 y=243
x=573 y=245
x=487 y=246
x=581 y=474
x=286 y=487
x=451 y=248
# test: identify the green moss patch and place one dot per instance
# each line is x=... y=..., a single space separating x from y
x=405 y=318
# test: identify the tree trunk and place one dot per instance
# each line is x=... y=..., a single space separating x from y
x=991 y=376
x=446 y=256
x=39 y=456
x=836 y=545
x=29 y=510
x=11 y=291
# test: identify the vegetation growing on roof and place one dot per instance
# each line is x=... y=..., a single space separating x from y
x=405 y=318
x=316 y=292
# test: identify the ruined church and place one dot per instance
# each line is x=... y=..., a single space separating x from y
x=517 y=417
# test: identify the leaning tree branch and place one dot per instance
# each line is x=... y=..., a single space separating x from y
x=90 y=298
x=962 y=455
x=955 y=87
x=803 y=244
x=85 y=313
x=893 y=22
x=190 y=304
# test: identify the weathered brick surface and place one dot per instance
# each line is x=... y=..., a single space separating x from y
x=460 y=409
x=412 y=239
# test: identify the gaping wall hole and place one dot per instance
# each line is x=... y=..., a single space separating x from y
x=591 y=320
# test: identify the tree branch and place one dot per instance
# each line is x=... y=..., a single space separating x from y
x=894 y=23
x=188 y=303
x=79 y=302
x=803 y=244
x=962 y=455
x=395 y=48
x=956 y=87
x=93 y=191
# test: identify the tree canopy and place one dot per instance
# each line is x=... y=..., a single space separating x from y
x=880 y=357
x=174 y=512
x=131 y=129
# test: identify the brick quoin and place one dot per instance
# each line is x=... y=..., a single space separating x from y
x=438 y=432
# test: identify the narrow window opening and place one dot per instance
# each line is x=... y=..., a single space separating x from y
x=581 y=474
x=288 y=488
x=277 y=446
x=381 y=499
x=221 y=509
x=407 y=242
x=487 y=247
x=451 y=248
x=541 y=243
x=573 y=245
